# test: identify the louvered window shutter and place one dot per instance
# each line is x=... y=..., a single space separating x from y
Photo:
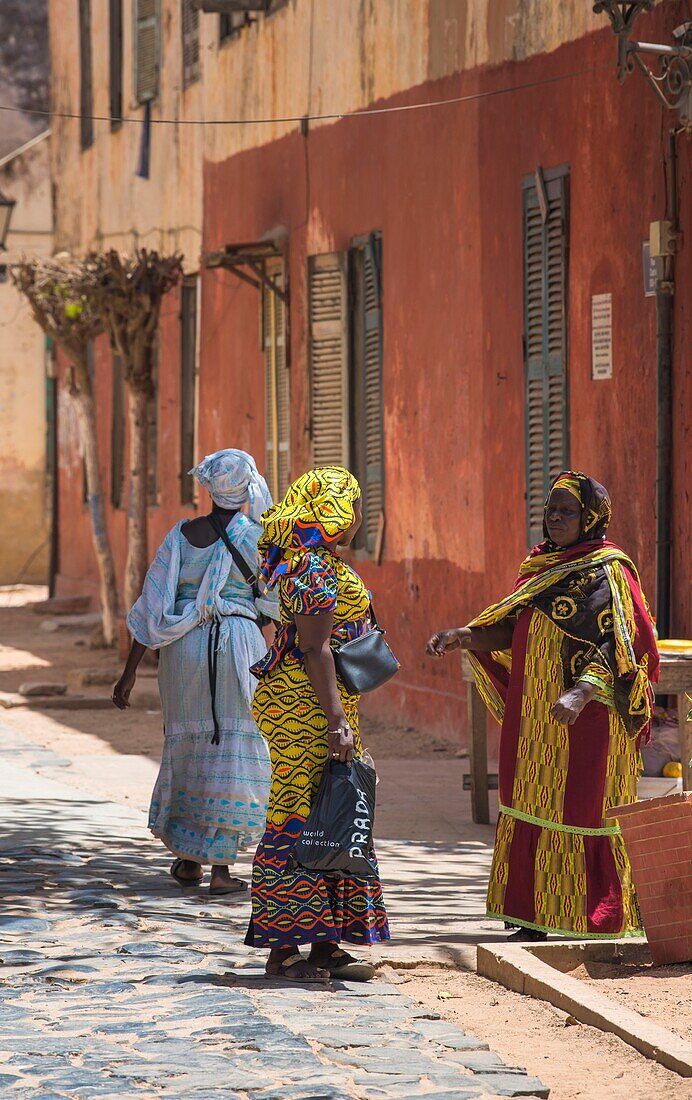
x=190 y=20
x=153 y=429
x=147 y=45
x=86 y=97
x=329 y=397
x=115 y=61
x=277 y=385
x=545 y=310
x=368 y=402
x=118 y=433
x=188 y=385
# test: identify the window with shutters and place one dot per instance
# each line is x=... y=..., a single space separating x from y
x=188 y=385
x=329 y=374
x=115 y=61
x=190 y=27
x=277 y=383
x=118 y=434
x=86 y=93
x=147 y=44
x=230 y=24
x=367 y=424
x=91 y=370
x=546 y=244
x=153 y=428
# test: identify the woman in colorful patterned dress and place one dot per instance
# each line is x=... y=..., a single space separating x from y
x=306 y=716
x=565 y=662
x=198 y=610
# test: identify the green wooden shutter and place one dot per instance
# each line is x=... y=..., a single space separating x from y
x=545 y=316
x=118 y=434
x=147 y=46
x=190 y=29
x=373 y=442
x=329 y=389
x=153 y=429
x=115 y=61
x=277 y=384
x=188 y=385
x=86 y=95
x=368 y=428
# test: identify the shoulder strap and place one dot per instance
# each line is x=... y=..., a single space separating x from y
x=238 y=558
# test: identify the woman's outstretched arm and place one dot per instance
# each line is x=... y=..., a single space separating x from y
x=484 y=639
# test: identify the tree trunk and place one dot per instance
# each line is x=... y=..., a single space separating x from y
x=137 y=556
x=86 y=416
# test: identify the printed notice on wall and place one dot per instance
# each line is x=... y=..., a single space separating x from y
x=601 y=336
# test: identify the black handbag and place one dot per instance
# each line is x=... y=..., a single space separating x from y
x=366 y=662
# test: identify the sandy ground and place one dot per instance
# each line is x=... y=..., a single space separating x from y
x=115 y=756
x=662 y=993
x=574 y=1060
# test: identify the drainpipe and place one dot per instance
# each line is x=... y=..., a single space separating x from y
x=665 y=290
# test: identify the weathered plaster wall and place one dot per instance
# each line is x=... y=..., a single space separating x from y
x=445 y=188
x=310 y=56
x=23 y=505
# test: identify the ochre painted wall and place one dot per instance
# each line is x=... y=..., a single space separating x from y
x=444 y=186
x=24 y=503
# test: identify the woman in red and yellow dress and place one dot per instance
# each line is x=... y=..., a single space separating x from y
x=564 y=662
x=306 y=716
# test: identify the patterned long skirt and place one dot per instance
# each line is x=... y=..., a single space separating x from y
x=294 y=906
x=210 y=800
x=560 y=863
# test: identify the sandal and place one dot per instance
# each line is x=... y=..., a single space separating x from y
x=342 y=965
x=527 y=935
x=234 y=886
x=293 y=960
x=180 y=879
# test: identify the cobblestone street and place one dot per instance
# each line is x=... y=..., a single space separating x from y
x=114 y=983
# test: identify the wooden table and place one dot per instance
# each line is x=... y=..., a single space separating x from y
x=675 y=679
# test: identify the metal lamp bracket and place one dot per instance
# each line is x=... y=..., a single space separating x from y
x=670 y=76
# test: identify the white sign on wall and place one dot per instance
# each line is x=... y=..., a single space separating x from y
x=601 y=336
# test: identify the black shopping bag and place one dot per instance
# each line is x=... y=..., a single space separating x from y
x=337 y=836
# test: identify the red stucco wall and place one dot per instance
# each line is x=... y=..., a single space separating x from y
x=444 y=186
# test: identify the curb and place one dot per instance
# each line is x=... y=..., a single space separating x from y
x=408 y=958
x=520 y=969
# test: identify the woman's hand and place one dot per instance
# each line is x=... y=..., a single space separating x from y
x=340 y=743
x=446 y=640
x=121 y=691
x=571 y=703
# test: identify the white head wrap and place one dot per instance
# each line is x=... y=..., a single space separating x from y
x=231 y=478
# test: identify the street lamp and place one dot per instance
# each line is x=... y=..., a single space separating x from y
x=6 y=208
x=672 y=83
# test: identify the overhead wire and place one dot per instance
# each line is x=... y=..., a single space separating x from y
x=328 y=116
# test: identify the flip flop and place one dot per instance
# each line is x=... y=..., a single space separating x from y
x=291 y=961
x=181 y=880
x=350 y=970
x=235 y=886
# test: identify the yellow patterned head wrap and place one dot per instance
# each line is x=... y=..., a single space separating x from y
x=316 y=510
x=570 y=484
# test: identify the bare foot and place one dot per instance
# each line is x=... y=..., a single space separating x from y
x=186 y=871
x=289 y=964
x=222 y=882
x=340 y=964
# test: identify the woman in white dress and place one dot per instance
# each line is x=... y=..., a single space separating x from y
x=200 y=608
